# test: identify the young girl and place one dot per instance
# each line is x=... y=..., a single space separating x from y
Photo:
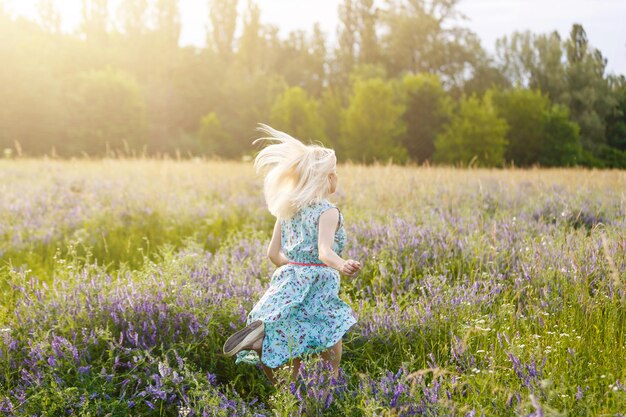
x=301 y=311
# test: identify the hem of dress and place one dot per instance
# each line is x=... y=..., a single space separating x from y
x=311 y=351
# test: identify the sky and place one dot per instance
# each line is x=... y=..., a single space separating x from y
x=490 y=19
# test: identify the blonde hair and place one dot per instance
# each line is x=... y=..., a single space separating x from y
x=296 y=174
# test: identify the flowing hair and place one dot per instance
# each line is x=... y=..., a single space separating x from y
x=296 y=174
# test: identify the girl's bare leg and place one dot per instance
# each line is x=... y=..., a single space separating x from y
x=269 y=372
x=295 y=368
x=333 y=355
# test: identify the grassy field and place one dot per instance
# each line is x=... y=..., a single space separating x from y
x=483 y=292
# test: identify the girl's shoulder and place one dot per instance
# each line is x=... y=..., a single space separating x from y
x=318 y=205
x=315 y=209
x=324 y=205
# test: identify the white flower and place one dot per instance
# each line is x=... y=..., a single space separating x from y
x=184 y=411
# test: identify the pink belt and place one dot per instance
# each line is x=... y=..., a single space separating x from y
x=305 y=264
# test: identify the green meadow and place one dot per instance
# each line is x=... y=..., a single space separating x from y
x=483 y=291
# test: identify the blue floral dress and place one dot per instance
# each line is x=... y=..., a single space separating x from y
x=301 y=309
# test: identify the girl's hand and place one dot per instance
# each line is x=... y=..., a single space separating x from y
x=350 y=267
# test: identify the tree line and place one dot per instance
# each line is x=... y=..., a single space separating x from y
x=406 y=81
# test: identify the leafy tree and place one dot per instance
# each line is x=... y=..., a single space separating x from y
x=246 y=101
x=297 y=113
x=588 y=95
x=96 y=21
x=32 y=119
x=223 y=17
x=486 y=74
x=561 y=143
x=317 y=62
x=369 y=52
x=242 y=76
x=133 y=18
x=345 y=53
x=428 y=109
x=30 y=91
x=616 y=122
x=611 y=157
x=331 y=110
x=251 y=44
x=421 y=37
x=534 y=61
x=571 y=72
x=475 y=133
x=106 y=107
x=367 y=71
x=372 y=125
x=168 y=22
x=301 y=60
x=214 y=138
x=49 y=16
x=524 y=111
x=358 y=42
x=539 y=131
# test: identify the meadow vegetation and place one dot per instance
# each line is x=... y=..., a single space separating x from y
x=483 y=291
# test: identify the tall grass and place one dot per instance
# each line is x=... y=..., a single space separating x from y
x=483 y=292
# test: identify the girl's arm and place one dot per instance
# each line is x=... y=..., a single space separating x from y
x=273 y=251
x=328 y=224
